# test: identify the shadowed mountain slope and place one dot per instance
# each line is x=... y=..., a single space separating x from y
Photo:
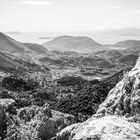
x=9 y=45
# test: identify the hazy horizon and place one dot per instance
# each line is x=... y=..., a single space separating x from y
x=108 y=36
x=68 y=15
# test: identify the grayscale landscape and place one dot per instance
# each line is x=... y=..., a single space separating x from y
x=69 y=70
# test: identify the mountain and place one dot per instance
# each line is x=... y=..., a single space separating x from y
x=71 y=43
x=9 y=45
x=117 y=116
x=14 y=54
x=8 y=64
x=127 y=44
x=109 y=54
x=129 y=59
x=36 y=48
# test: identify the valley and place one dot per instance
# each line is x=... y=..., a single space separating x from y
x=45 y=88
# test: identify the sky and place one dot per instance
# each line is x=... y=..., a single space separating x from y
x=68 y=15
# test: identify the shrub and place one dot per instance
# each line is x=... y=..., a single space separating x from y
x=16 y=83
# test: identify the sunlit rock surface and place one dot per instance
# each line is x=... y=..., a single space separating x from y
x=118 y=117
x=124 y=99
x=105 y=128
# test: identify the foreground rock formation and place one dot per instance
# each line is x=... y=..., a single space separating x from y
x=124 y=99
x=104 y=128
x=118 y=117
x=35 y=123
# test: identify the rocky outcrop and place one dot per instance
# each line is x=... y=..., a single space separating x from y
x=118 y=117
x=124 y=99
x=34 y=122
x=105 y=128
x=51 y=123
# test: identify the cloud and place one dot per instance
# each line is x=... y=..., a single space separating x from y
x=33 y=2
x=115 y=7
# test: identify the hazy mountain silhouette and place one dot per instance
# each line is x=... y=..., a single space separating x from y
x=70 y=43
x=127 y=44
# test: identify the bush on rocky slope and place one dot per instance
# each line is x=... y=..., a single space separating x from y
x=118 y=117
x=86 y=101
x=34 y=123
x=73 y=81
x=16 y=83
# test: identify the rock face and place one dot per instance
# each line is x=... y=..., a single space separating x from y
x=36 y=123
x=47 y=127
x=118 y=117
x=42 y=122
x=124 y=99
x=105 y=128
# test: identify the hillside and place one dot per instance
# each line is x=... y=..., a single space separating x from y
x=36 y=48
x=129 y=59
x=86 y=101
x=14 y=54
x=70 y=43
x=8 y=64
x=117 y=118
x=9 y=45
x=127 y=44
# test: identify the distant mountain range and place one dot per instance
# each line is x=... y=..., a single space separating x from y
x=14 y=54
x=67 y=51
x=70 y=43
x=127 y=44
x=87 y=45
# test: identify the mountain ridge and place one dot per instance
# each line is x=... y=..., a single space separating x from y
x=72 y=43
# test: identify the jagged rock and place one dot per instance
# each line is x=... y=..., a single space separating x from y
x=118 y=117
x=42 y=122
x=105 y=128
x=47 y=110
x=48 y=127
x=124 y=98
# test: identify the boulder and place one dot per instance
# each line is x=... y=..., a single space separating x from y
x=47 y=127
x=117 y=118
x=104 y=128
x=42 y=122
